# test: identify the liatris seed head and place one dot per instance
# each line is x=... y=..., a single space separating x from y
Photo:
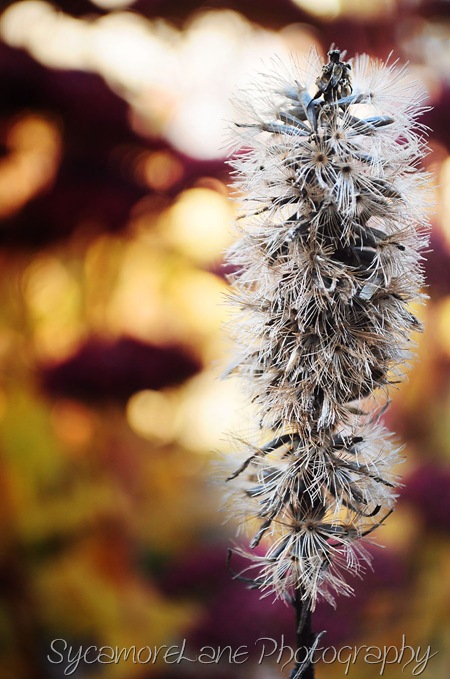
x=327 y=267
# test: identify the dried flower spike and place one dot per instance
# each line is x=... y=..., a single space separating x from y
x=327 y=267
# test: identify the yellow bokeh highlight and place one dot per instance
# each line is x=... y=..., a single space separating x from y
x=199 y=300
x=330 y=9
x=112 y=4
x=199 y=223
x=325 y=8
x=56 y=39
x=53 y=298
x=136 y=304
x=211 y=410
x=160 y=170
x=441 y=322
x=34 y=147
x=444 y=204
x=146 y=289
x=152 y=415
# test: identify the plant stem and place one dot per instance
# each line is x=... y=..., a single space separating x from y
x=304 y=668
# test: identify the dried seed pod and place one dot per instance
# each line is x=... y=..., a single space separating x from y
x=327 y=266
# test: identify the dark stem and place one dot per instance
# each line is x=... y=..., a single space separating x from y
x=304 y=668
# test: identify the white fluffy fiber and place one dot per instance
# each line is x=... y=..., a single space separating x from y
x=328 y=266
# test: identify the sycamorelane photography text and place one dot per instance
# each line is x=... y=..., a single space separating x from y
x=412 y=660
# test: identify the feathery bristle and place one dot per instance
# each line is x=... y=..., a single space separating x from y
x=327 y=266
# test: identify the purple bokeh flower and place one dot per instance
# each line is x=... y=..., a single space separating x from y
x=437 y=266
x=103 y=371
x=428 y=490
x=232 y=614
x=437 y=117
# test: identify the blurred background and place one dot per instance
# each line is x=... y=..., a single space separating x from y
x=114 y=215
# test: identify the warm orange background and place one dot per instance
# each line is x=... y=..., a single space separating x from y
x=114 y=215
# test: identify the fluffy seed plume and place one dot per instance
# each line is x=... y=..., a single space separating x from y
x=327 y=270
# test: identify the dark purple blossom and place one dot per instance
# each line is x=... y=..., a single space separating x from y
x=437 y=266
x=428 y=490
x=232 y=614
x=103 y=371
x=437 y=118
x=348 y=622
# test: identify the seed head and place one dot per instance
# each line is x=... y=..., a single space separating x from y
x=328 y=264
